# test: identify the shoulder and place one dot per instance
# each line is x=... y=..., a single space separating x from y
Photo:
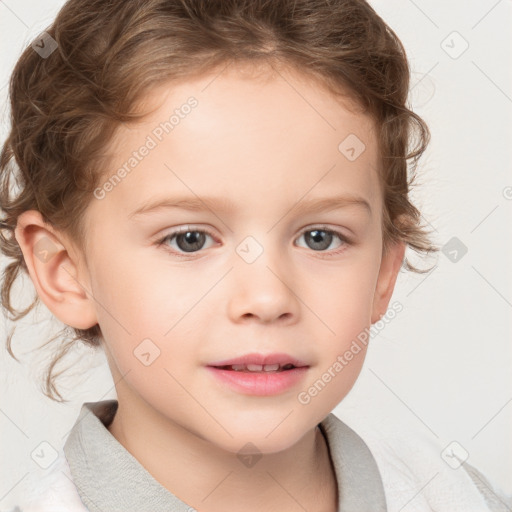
x=52 y=490
x=418 y=474
x=496 y=500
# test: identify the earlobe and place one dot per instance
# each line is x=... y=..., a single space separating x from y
x=388 y=273
x=55 y=271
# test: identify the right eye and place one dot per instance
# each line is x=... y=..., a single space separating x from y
x=188 y=240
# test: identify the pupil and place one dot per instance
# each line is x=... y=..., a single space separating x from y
x=194 y=238
x=316 y=236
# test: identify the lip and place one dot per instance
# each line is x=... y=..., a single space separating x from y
x=255 y=358
x=260 y=383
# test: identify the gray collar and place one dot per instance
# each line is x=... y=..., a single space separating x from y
x=109 y=479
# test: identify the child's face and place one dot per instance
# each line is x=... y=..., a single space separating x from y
x=254 y=283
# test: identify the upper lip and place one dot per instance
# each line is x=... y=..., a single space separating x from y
x=262 y=359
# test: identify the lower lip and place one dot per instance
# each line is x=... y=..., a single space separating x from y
x=260 y=383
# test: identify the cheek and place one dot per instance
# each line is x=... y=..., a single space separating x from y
x=148 y=316
x=345 y=300
x=136 y=299
x=345 y=310
x=341 y=349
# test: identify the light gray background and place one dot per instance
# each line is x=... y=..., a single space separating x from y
x=442 y=367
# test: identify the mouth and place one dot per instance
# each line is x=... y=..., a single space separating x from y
x=257 y=374
x=254 y=362
x=258 y=368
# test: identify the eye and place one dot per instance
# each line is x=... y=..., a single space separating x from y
x=320 y=238
x=188 y=240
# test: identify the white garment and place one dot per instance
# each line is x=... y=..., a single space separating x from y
x=414 y=476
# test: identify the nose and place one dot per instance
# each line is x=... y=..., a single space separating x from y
x=262 y=291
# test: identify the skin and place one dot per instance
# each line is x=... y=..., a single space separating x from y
x=267 y=141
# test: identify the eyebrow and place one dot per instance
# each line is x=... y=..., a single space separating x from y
x=221 y=204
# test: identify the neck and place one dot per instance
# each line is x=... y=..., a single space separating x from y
x=211 y=479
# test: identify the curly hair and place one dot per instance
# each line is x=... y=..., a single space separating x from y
x=65 y=107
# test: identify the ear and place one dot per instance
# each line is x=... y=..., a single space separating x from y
x=390 y=266
x=55 y=268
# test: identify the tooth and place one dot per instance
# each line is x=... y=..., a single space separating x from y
x=238 y=367
x=254 y=367
x=271 y=367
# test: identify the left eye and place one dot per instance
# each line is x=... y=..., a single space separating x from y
x=319 y=239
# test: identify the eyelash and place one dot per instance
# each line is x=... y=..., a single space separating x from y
x=172 y=234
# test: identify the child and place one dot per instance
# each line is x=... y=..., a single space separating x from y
x=181 y=166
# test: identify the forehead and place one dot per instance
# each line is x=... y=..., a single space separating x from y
x=253 y=134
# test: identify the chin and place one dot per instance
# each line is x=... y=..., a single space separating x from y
x=266 y=438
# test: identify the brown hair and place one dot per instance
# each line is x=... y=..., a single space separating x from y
x=66 y=106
